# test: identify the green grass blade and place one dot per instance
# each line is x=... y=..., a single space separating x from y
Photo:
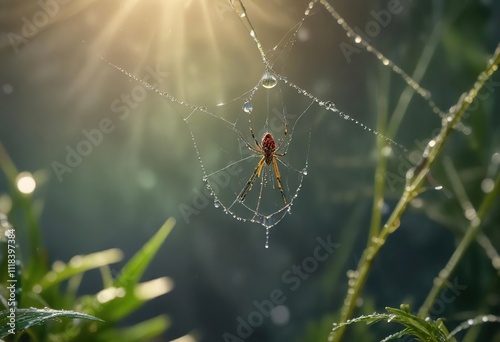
x=133 y=270
x=25 y=318
x=79 y=264
x=126 y=294
x=144 y=331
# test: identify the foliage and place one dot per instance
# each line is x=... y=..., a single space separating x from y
x=416 y=180
x=39 y=288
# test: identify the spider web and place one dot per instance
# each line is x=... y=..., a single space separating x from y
x=273 y=103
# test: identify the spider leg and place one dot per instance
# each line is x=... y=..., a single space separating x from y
x=278 y=179
x=256 y=149
x=253 y=136
x=285 y=133
x=251 y=180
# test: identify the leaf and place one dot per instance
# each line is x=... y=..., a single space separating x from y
x=133 y=270
x=25 y=318
x=80 y=264
x=126 y=295
x=397 y=335
x=414 y=326
x=144 y=331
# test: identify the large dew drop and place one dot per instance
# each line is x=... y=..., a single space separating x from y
x=268 y=80
x=247 y=107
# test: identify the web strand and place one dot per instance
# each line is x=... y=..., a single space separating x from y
x=358 y=39
x=261 y=207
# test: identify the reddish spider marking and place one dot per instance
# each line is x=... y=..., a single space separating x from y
x=268 y=146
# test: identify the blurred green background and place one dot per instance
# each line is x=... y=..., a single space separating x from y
x=53 y=85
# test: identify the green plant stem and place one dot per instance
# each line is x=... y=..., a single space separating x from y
x=379 y=182
x=37 y=261
x=389 y=129
x=415 y=180
x=469 y=237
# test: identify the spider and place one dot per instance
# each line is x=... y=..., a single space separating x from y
x=269 y=151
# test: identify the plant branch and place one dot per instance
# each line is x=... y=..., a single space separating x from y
x=415 y=178
x=469 y=237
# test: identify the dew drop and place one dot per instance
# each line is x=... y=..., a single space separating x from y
x=216 y=204
x=268 y=80
x=304 y=172
x=267 y=238
x=357 y=39
x=247 y=107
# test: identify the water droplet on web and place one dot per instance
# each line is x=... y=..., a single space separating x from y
x=247 y=107
x=304 y=172
x=267 y=238
x=268 y=80
x=216 y=204
x=357 y=39
x=289 y=210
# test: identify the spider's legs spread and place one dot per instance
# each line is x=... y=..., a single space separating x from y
x=253 y=136
x=278 y=179
x=251 y=180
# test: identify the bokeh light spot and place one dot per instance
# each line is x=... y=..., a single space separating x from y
x=25 y=183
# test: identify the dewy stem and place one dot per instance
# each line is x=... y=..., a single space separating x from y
x=472 y=231
x=415 y=180
x=38 y=260
x=379 y=181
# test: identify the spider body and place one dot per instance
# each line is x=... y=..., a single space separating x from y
x=269 y=151
x=268 y=147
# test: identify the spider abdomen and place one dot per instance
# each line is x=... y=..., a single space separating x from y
x=268 y=146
